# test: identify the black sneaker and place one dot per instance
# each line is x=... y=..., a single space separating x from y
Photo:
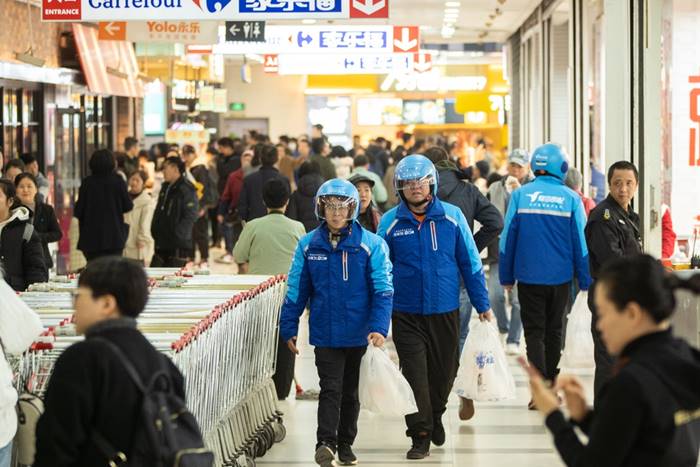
x=420 y=448
x=345 y=455
x=325 y=457
x=438 y=436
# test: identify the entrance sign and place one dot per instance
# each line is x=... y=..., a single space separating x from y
x=213 y=10
x=183 y=32
x=343 y=39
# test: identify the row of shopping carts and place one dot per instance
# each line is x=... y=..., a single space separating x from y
x=219 y=330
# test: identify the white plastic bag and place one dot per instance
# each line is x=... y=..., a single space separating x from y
x=483 y=368
x=578 y=348
x=383 y=389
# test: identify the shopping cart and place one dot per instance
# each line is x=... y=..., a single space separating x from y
x=221 y=332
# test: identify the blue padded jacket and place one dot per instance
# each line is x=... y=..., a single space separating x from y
x=543 y=241
x=428 y=258
x=349 y=288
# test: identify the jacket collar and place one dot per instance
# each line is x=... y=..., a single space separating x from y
x=611 y=201
x=548 y=179
x=110 y=324
x=351 y=237
x=638 y=345
x=435 y=211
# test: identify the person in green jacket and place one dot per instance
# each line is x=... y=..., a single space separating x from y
x=320 y=150
x=266 y=246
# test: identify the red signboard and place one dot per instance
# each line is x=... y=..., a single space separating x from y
x=406 y=39
x=62 y=10
x=271 y=64
x=369 y=8
x=694 y=156
x=422 y=62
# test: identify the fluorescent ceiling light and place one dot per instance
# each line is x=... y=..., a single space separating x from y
x=308 y=21
x=451 y=4
x=451 y=15
x=450 y=20
x=451 y=11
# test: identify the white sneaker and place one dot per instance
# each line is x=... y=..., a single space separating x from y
x=512 y=349
x=225 y=259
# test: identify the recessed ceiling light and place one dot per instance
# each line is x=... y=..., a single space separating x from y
x=450 y=20
x=451 y=10
x=308 y=21
x=451 y=4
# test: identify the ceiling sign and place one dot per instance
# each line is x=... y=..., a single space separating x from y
x=271 y=63
x=183 y=32
x=432 y=81
x=135 y=10
x=371 y=64
x=330 y=39
x=244 y=31
x=422 y=62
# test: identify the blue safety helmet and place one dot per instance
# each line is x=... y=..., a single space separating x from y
x=550 y=159
x=415 y=167
x=337 y=188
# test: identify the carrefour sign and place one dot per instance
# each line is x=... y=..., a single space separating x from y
x=197 y=10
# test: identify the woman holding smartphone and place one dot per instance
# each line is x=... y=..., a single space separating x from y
x=649 y=412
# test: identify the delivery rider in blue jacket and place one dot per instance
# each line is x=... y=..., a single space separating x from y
x=431 y=245
x=542 y=247
x=345 y=273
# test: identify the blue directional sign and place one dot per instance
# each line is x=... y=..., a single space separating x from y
x=292 y=9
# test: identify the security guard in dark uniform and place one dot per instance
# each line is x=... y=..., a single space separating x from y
x=612 y=231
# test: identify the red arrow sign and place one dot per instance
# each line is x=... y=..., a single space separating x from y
x=369 y=8
x=422 y=62
x=406 y=39
x=271 y=63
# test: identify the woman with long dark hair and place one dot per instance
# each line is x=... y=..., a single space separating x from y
x=648 y=414
x=43 y=217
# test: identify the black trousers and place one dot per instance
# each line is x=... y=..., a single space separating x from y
x=542 y=310
x=284 y=370
x=603 y=360
x=200 y=237
x=428 y=348
x=215 y=227
x=338 y=403
x=170 y=258
x=89 y=256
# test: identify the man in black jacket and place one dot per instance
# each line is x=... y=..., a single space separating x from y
x=174 y=217
x=90 y=390
x=228 y=162
x=455 y=188
x=612 y=232
x=251 y=204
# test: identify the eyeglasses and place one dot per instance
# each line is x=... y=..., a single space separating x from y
x=414 y=184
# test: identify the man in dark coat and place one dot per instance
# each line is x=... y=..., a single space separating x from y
x=301 y=206
x=250 y=204
x=228 y=162
x=612 y=232
x=90 y=390
x=174 y=217
x=102 y=201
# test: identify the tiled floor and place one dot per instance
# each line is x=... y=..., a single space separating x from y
x=501 y=434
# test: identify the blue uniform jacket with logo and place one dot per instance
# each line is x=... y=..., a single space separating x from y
x=543 y=241
x=429 y=257
x=349 y=288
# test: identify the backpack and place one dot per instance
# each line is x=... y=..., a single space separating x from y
x=167 y=435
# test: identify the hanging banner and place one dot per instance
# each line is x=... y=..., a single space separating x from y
x=332 y=39
x=215 y=10
x=372 y=64
x=183 y=32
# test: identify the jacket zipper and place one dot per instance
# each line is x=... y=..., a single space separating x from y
x=433 y=235
x=345 y=266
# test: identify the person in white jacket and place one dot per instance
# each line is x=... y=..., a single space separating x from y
x=139 y=244
x=19 y=326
